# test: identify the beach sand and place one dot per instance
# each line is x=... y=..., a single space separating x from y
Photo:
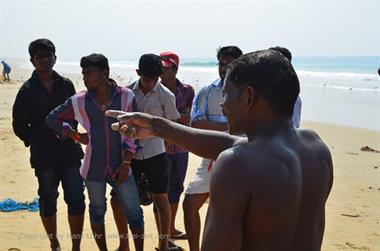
x=352 y=212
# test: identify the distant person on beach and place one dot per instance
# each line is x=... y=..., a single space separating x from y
x=177 y=157
x=154 y=98
x=296 y=117
x=54 y=159
x=108 y=155
x=6 y=70
x=207 y=114
x=268 y=191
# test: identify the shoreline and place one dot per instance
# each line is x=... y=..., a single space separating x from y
x=348 y=106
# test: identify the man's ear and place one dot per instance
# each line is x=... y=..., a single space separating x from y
x=32 y=61
x=106 y=73
x=138 y=72
x=250 y=98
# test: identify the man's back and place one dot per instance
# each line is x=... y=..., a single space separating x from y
x=278 y=185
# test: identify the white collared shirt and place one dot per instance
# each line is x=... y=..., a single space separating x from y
x=160 y=101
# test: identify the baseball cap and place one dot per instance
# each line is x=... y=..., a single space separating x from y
x=169 y=58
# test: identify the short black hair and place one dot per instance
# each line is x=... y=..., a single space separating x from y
x=150 y=65
x=284 y=52
x=39 y=44
x=271 y=75
x=229 y=51
x=97 y=60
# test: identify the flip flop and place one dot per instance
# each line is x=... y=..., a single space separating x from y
x=172 y=247
x=181 y=236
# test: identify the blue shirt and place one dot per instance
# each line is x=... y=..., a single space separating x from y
x=206 y=104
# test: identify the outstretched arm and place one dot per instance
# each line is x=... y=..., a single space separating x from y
x=207 y=144
x=209 y=125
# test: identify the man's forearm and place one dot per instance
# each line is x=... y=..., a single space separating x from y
x=204 y=143
x=22 y=131
x=208 y=125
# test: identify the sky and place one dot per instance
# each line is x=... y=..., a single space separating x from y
x=191 y=28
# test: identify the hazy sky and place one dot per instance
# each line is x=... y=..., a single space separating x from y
x=192 y=28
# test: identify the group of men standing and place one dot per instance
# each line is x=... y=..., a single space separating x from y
x=47 y=111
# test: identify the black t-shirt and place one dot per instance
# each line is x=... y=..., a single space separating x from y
x=32 y=105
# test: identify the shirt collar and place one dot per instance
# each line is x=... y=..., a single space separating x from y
x=114 y=88
x=218 y=83
x=180 y=85
x=56 y=77
x=137 y=86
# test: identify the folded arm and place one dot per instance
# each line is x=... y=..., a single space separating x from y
x=56 y=118
x=21 y=117
x=61 y=120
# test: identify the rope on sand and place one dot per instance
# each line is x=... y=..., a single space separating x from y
x=9 y=205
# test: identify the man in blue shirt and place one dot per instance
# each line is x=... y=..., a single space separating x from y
x=6 y=70
x=207 y=114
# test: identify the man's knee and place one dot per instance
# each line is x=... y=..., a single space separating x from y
x=160 y=200
x=76 y=208
x=97 y=214
x=48 y=206
x=192 y=203
x=48 y=200
x=135 y=219
x=75 y=202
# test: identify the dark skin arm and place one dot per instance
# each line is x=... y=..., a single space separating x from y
x=225 y=216
x=208 y=125
x=79 y=137
x=141 y=125
x=121 y=174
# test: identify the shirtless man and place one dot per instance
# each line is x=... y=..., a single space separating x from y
x=268 y=192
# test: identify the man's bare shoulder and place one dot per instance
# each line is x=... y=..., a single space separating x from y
x=312 y=141
x=242 y=161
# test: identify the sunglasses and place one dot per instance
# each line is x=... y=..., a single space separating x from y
x=166 y=58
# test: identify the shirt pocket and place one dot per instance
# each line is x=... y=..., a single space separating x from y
x=156 y=110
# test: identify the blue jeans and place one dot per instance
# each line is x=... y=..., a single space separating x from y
x=127 y=194
x=73 y=188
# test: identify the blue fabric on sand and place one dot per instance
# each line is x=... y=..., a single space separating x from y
x=9 y=205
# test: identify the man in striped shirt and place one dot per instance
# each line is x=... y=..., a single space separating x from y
x=108 y=154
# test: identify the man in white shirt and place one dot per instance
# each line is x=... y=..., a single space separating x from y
x=154 y=98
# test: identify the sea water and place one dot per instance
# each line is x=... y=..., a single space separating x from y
x=338 y=90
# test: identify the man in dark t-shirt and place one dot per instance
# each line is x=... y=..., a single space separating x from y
x=54 y=159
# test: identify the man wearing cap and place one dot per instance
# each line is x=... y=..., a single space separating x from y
x=177 y=157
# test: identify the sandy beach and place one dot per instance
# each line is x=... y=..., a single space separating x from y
x=352 y=212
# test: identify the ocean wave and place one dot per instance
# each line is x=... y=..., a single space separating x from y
x=340 y=75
